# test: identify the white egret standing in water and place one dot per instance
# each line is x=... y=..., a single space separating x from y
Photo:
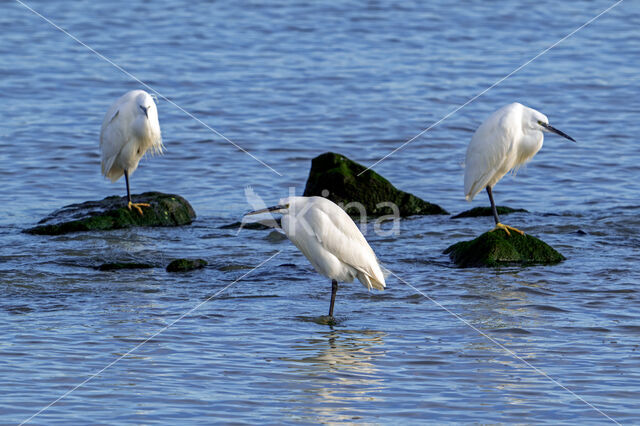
x=510 y=137
x=129 y=129
x=331 y=241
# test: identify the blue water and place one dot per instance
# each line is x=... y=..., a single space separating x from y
x=288 y=81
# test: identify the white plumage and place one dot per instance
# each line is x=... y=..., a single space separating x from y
x=507 y=139
x=128 y=132
x=331 y=241
x=510 y=137
x=130 y=128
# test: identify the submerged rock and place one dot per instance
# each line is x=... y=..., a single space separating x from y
x=335 y=177
x=112 y=213
x=258 y=226
x=114 y=266
x=183 y=265
x=486 y=211
x=496 y=248
x=235 y=267
x=276 y=236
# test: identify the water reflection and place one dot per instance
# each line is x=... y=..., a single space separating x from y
x=505 y=309
x=337 y=371
x=498 y=302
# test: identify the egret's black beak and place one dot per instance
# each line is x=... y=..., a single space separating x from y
x=556 y=131
x=145 y=110
x=268 y=209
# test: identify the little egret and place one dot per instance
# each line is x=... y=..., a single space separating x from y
x=510 y=137
x=331 y=241
x=129 y=129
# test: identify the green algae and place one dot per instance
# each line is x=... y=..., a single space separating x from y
x=335 y=177
x=183 y=265
x=496 y=248
x=112 y=213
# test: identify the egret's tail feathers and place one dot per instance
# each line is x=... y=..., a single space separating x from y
x=469 y=193
x=111 y=171
x=385 y=271
x=371 y=282
x=114 y=174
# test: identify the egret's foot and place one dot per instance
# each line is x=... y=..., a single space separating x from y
x=506 y=229
x=138 y=206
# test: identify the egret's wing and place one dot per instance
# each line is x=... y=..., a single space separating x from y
x=336 y=232
x=486 y=155
x=112 y=139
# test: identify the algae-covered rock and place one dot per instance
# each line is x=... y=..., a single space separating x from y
x=257 y=226
x=114 y=266
x=112 y=213
x=486 y=211
x=335 y=177
x=183 y=265
x=496 y=248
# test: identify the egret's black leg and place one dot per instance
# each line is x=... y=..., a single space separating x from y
x=334 y=290
x=493 y=205
x=126 y=178
x=497 y=219
x=131 y=204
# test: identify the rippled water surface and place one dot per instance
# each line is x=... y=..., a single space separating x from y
x=288 y=81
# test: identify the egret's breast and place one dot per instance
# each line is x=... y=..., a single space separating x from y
x=529 y=146
x=143 y=135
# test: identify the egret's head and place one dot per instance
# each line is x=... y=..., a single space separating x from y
x=145 y=103
x=541 y=122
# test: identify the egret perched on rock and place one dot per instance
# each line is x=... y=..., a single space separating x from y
x=129 y=129
x=331 y=241
x=510 y=137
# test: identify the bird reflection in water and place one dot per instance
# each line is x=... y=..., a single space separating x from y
x=336 y=373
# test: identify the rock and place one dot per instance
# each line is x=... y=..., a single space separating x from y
x=486 y=211
x=258 y=226
x=276 y=237
x=183 y=265
x=496 y=248
x=112 y=213
x=335 y=177
x=236 y=267
x=123 y=265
